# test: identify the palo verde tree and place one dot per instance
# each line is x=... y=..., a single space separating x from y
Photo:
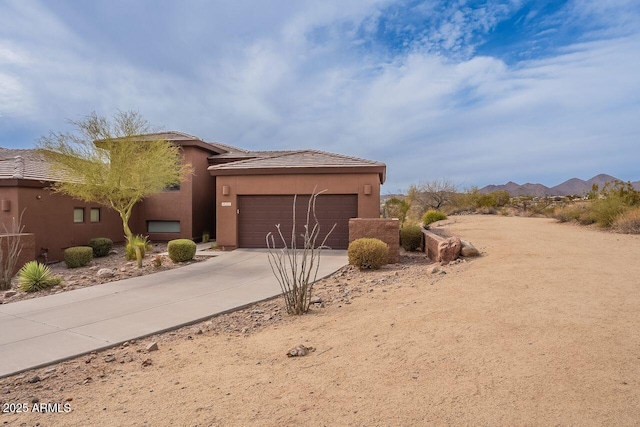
x=114 y=163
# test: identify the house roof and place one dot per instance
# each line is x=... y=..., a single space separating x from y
x=183 y=139
x=25 y=164
x=298 y=161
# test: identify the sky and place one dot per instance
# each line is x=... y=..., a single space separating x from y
x=477 y=92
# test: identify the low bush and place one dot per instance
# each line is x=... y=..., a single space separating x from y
x=410 y=237
x=628 y=222
x=78 y=256
x=181 y=250
x=432 y=216
x=101 y=246
x=34 y=276
x=367 y=253
x=141 y=241
x=605 y=211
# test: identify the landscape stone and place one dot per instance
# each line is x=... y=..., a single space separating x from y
x=152 y=346
x=9 y=294
x=106 y=272
x=468 y=250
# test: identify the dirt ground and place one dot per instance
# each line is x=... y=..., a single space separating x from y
x=540 y=330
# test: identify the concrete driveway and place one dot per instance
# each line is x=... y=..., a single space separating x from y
x=49 y=329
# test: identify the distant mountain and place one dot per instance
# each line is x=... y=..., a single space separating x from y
x=573 y=186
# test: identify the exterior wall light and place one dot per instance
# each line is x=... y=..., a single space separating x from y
x=367 y=189
x=225 y=190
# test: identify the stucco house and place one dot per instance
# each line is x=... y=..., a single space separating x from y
x=235 y=195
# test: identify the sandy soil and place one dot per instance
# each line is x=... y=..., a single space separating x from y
x=541 y=330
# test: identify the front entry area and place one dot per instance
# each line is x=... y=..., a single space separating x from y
x=258 y=215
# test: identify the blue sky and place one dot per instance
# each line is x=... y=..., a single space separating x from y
x=479 y=92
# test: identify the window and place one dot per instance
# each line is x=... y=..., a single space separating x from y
x=95 y=215
x=163 y=226
x=78 y=215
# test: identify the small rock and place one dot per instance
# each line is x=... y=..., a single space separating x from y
x=68 y=399
x=299 y=351
x=199 y=332
x=266 y=317
x=35 y=400
x=113 y=252
x=9 y=294
x=315 y=300
x=123 y=269
x=433 y=270
x=110 y=358
x=93 y=267
x=147 y=362
x=6 y=390
x=106 y=272
x=34 y=380
x=152 y=347
x=257 y=312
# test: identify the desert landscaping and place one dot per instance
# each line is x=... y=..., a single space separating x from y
x=539 y=330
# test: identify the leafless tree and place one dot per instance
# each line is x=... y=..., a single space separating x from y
x=432 y=194
x=10 y=252
x=297 y=268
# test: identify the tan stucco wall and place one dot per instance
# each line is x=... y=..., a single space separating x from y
x=227 y=220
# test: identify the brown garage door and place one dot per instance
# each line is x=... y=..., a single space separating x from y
x=258 y=215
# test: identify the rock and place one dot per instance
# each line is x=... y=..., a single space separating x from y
x=147 y=362
x=35 y=400
x=9 y=294
x=299 y=351
x=152 y=347
x=110 y=358
x=449 y=249
x=113 y=252
x=93 y=267
x=468 y=250
x=433 y=270
x=315 y=300
x=34 y=380
x=6 y=390
x=123 y=269
x=106 y=272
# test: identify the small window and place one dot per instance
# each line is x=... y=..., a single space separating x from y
x=78 y=215
x=163 y=226
x=95 y=215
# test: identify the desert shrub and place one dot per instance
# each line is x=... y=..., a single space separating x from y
x=396 y=208
x=181 y=250
x=432 y=216
x=34 y=276
x=78 y=256
x=487 y=210
x=368 y=253
x=157 y=261
x=605 y=211
x=101 y=246
x=141 y=241
x=628 y=222
x=410 y=237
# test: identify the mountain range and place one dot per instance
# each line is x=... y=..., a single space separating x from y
x=573 y=186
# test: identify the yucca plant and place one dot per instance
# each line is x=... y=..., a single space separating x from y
x=34 y=276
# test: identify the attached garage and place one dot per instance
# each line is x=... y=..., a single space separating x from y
x=258 y=215
x=255 y=194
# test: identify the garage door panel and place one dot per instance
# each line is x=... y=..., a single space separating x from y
x=259 y=215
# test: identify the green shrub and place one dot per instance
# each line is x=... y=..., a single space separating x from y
x=141 y=241
x=432 y=216
x=101 y=246
x=367 y=253
x=410 y=237
x=78 y=256
x=34 y=276
x=605 y=211
x=628 y=222
x=181 y=250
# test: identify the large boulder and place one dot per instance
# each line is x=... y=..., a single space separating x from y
x=468 y=250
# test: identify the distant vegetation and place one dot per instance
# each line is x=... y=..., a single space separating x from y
x=615 y=206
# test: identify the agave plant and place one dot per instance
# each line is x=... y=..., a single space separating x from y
x=34 y=276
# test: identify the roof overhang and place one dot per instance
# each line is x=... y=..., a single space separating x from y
x=381 y=170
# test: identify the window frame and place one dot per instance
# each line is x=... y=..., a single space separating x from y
x=75 y=221
x=91 y=211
